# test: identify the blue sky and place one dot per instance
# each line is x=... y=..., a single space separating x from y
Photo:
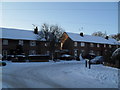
x=88 y=17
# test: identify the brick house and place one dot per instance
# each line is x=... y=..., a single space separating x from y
x=75 y=43
x=10 y=38
x=80 y=43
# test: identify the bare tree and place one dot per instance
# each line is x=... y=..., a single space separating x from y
x=116 y=36
x=99 y=33
x=52 y=34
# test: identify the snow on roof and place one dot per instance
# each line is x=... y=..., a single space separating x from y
x=9 y=33
x=119 y=42
x=90 y=38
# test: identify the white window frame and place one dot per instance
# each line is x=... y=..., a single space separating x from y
x=82 y=44
x=61 y=45
x=21 y=42
x=75 y=52
x=5 y=42
x=75 y=44
x=32 y=43
x=110 y=46
x=98 y=45
x=46 y=45
x=91 y=44
x=32 y=52
x=104 y=45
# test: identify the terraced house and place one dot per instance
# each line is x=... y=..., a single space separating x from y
x=80 y=43
x=11 y=38
x=73 y=42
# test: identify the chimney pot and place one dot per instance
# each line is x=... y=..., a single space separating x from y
x=36 y=30
x=81 y=34
x=106 y=37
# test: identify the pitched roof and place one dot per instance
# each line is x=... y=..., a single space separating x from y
x=119 y=42
x=90 y=38
x=9 y=33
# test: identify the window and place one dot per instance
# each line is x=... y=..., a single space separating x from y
x=61 y=45
x=117 y=46
x=32 y=43
x=91 y=51
x=82 y=44
x=75 y=44
x=5 y=42
x=110 y=46
x=75 y=52
x=98 y=53
x=105 y=50
x=32 y=52
x=20 y=42
x=104 y=45
x=91 y=45
x=48 y=52
x=82 y=51
x=46 y=45
x=98 y=45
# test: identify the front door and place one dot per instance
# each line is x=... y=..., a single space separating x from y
x=75 y=53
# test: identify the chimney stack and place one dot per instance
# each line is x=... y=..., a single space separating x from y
x=81 y=34
x=106 y=37
x=36 y=30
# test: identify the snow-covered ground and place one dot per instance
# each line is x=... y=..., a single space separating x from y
x=63 y=74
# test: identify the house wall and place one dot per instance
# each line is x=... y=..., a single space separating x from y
x=40 y=47
x=43 y=47
x=69 y=44
x=0 y=46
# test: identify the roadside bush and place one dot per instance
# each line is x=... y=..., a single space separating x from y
x=39 y=58
x=19 y=58
x=3 y=64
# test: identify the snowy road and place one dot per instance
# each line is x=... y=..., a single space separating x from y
x=58 y=75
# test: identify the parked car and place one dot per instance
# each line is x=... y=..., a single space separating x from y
x=116 y=54
x=19 y=58
x=97 y=60
x=10 y=57
x=115 y=58
x=88 y=56
x=2 y=63
x=66 y=57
